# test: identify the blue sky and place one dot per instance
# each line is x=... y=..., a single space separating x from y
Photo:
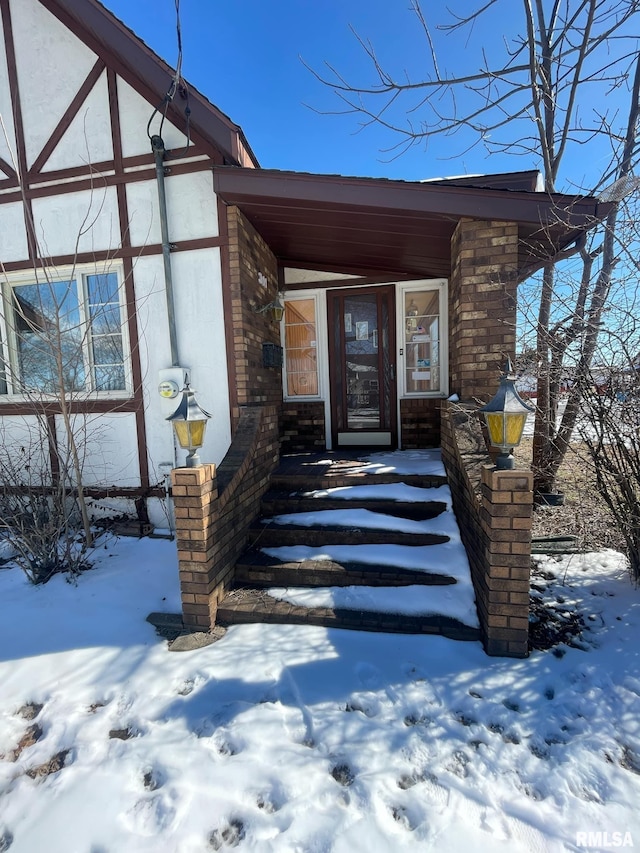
x=244 y=56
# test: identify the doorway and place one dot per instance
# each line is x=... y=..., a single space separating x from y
x=362 y=368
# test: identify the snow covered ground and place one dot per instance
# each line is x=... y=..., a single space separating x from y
x=307 y=739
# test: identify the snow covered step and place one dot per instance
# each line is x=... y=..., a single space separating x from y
x=258 y=569
x=276 y=502
x=244 y=606
x=299 y=481
x=266 y=533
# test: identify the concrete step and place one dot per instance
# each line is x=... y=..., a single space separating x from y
x=257 y=569
x=279 y=502
x=243 y=606
x=268 y=535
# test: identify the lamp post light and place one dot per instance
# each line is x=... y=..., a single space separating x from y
x=505 y=417
x=190 y=423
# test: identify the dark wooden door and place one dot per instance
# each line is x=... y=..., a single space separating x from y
x=362 y=367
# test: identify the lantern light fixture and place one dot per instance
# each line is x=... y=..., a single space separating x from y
x=276 y=307
x=505 y=417
x=190 y=423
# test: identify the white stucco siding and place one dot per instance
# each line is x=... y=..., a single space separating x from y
x=51 y=65
x=88 y=138
x=135 y=113
x=107 y=447
x=13 y=231
x=191 y=209
x=88 y=219
x=201 y=347
x=24 y=446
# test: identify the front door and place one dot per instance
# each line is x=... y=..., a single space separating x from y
x=362 y=366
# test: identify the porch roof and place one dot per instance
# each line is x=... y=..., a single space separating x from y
x=373 y=225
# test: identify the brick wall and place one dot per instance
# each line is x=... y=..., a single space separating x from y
x=249 y=255
x=419 y=423
x=302 y=426
x=214 y=510
x=494 y=512
x=482 y=305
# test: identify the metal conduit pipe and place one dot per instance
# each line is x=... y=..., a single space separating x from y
x=157 y=146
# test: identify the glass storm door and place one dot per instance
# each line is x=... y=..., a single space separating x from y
x=362 y=368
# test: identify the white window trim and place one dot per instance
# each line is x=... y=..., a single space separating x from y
x=402 y=288
x=320 y=307
x=8 y=347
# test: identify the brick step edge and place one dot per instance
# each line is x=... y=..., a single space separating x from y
x=242 y=607
x=273 y=535
x=308 y=482
x=258 y=570
x=279 y=503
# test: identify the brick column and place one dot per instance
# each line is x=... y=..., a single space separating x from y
x=482 y=305
x=194 y=492
x=503 y=596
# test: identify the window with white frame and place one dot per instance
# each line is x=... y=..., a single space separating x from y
x=301 y=347
x=424 y=322
x=64 y=332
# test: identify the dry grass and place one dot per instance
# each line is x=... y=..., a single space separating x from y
x=584 y=514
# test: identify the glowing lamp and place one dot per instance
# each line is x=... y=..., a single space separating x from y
x=505 y=417
x=190 y=423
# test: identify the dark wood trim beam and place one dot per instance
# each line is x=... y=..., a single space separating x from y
x=16 y=107
x=347 y=282
x=119 y=254
x=72 y=110
x=52 y=407
x=130 y=296
x=98 y=180
x=9 y=171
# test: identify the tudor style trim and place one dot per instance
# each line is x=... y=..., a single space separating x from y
x=65 y=122
x=136 y=63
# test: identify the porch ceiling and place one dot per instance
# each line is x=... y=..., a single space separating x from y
x=371 y=225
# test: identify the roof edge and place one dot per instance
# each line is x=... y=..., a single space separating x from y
x=104 y=33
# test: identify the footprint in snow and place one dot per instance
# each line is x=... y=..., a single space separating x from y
x=152 y=779
x=343 y=775
x=188 y=685
x=30 y=710
x=229 y=835
x=417 y=720
x=269 y=802
x=464 y=719
x=403 y=817
x=367 y=704
x=149 y=816
x=225 y=746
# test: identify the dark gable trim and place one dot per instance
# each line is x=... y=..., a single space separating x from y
x=14 y=89
x=136 y=63
x=63 y=125
x=7 y=169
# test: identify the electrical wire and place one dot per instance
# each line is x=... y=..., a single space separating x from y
x=178 y=85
